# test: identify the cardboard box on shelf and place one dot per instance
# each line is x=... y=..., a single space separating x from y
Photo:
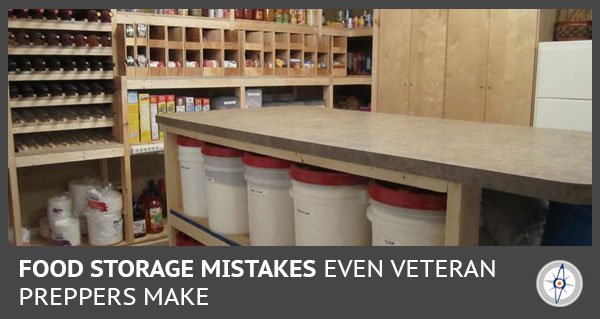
x=171 y=104
x=189 y=104
x=133 y=117
x=180 y=104
x=155 y=134
x=145 y=129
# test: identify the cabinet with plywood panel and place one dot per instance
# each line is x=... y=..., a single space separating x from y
x=466 y=64
x=427 y=62
x=394 y=61
x=511 y=64
x=462 y=64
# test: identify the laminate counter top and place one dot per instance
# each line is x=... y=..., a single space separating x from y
x=543 y=163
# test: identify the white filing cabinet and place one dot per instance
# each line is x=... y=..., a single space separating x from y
x=564 y=86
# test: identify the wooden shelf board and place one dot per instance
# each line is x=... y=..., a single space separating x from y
x=61 y=100
x=352 y=80
x=69 y=154
x=222 y=81
x=197 y=228
x=62 y=125
x=123 y=17
x=154 y=237
x=59 y=25
x=62 y=75
x=342 y=32
x=42 y=50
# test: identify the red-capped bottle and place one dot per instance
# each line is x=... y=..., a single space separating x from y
x=36 y=13
x=106 y=16
x=66 y=14
x=51 y=14
x=153 y=212
x=22 y=13
x=11 y=13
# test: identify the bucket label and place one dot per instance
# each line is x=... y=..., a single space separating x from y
x=210 y=179
x=304 y=212
x=257 y=191
x=184 y=167
x=388 y=242
x=118 y=223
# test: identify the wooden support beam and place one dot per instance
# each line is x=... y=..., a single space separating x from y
x=462 y=215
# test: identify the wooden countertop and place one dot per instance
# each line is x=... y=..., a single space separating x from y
x=543 y=163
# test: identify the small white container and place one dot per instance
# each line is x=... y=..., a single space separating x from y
x=193 y=178
x=405 y=216
x=225 y=190
x=104 y=228
x=66 y=232
x=330 y=207
x=270 y=206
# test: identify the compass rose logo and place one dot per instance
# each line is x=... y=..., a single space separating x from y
x=559 y=283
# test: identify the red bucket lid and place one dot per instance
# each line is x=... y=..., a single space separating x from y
x=220 y=151
x=321 y=176
x=405 y=196
x=188 y=141
x=263 y=161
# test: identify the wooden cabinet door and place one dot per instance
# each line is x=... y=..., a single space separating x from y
x=511 y=60
x=466 y=64
x=394 y=61
x=427 y=62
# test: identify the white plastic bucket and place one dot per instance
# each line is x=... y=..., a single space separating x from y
x=59 y=207
x=330 y=207
x=270 y=206
x=104 y=228
x=66 y=232
x=225 y=190
x=403 y=216
x=78 y=189
x=193 y=178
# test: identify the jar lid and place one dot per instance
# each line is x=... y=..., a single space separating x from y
x=406 y=196
x=188 y=141
x=220 y=151
x=321 y=176
x=263 y=161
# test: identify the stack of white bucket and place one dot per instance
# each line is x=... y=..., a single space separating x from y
x=60 y=222
x=104 y=215
x=280 y=203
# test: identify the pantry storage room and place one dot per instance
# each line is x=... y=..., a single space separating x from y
x=283 y=127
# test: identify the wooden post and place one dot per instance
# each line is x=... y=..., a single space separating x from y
x=240 y=92
x=462 y=215
x=127 y=194
x=328 y=96
x=15 y=204
x=375 y=60
x=172 y=179
x=103 y=163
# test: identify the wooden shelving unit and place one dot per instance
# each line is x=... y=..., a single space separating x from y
x=168 y=38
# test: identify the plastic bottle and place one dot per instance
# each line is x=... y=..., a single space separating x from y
x=139 y=220
x=153 y=213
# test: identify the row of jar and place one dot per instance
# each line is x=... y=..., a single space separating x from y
x=281 y=203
